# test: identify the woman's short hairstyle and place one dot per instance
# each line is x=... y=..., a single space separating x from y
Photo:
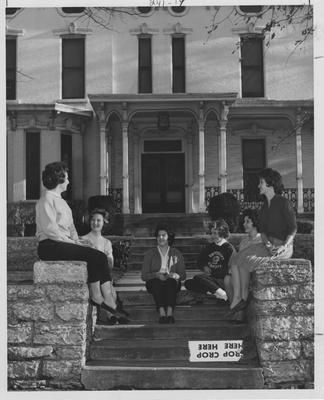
x=222 y=227
x=101 y=211
x=272 y=178
x=164 y=227
x=54 y=174
x=252 y=215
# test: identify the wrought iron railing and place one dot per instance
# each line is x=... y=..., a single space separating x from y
x=117 y=194
x=289 y=193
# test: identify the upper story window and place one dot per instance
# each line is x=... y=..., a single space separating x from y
x=11 y=67
x=178 y=11
x=178 y=64
x=73 y=59
x=73 y=10
x=252 y=66
x=144 y=64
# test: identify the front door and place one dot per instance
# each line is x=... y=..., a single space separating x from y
x=253 y=163
x=163 y=183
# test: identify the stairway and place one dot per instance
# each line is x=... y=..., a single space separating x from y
x=146 y=355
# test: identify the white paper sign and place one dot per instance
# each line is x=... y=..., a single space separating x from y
x=215 y=350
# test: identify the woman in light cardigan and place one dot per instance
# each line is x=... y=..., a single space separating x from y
x=163 y=270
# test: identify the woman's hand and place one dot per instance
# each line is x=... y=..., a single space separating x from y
x=277 y=251
x=174 y=275
x=161 y=276
x=207 y=270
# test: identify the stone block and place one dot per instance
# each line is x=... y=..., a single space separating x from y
x=276 y=292
x=279 y=350
x=17 y=384
x=303 y=307
x=26 y=292
x=69 y=311
x=308 y=348
x=60 y=272
x=71 y=384
x=283 y=327
x=62 y=370
x=306 y=292
x=23 y=352
x=20 y=333
x=282 y=272
x=23 y=369
x=38 y=310
x=272 y=307
x=21 y=253
x=54 y=333
x=288 y=371
x=70 y=352
x=76 y=292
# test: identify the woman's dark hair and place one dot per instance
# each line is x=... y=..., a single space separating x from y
x=100 y=211
x=164 y=227
x=222 y=227
x=252 y=215
x=54 y=174
x=272 y=178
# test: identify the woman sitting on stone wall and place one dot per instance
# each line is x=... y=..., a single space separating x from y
x=277 y=226
x=58 y=238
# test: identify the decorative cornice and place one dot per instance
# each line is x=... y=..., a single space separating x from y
x=177 y=29
x=72 y=29
x=143 y=29
x=249 y=28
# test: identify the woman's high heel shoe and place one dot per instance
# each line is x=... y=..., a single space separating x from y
x=104 y=306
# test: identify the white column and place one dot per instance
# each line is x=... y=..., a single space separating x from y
x=189 y=172
x=201 y=173
x=108 y=159
x=299 y=157
x=77 y=166
x=19 y=167
x=103 y=164
x=222 y=155
x=137 y=185
x=125 y=169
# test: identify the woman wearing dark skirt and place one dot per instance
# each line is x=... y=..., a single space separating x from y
x=163 y=270
x=58 y=238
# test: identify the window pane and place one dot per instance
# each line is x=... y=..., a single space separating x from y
x=144 y=65
x=73 y=84
x=252 y=82
x=145 y=52
x=162 y=145
x=251 y=9
x=73 y=10
x=178 y=52
x=251 y=51
x=178 y=84
x=73 y=52
x=32 y=165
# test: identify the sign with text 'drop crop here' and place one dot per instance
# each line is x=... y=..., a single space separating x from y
x=215 y=350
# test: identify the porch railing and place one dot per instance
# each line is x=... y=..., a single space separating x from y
x=289 y=193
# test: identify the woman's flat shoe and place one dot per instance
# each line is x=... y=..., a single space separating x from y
x=121 y=310
x=170 y=319
x=241 y=305
x=122 y=320
x=163 y=320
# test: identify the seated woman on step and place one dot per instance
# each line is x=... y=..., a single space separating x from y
x=163 y=270
x=98 y=218
x=240 y=276
x=277 y=226
x=213 y=261
x=58 y=238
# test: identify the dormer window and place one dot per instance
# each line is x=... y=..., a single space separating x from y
x=73 y=10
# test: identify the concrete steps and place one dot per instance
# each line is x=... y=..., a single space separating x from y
x=147 y=355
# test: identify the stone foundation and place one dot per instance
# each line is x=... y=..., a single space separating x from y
x=48 y=328
x=282 y=320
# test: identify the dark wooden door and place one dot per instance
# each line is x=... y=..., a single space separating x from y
x=163 y=183
x=253 y=163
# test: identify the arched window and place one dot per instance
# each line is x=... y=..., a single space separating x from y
x=11 y=11
x=73 y=10
x=251 y=9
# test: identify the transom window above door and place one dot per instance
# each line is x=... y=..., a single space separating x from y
x=161 y=146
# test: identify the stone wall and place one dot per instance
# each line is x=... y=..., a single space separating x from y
x=48 y=326
x=282 y=319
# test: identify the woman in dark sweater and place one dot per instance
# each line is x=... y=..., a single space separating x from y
x=163 y=270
